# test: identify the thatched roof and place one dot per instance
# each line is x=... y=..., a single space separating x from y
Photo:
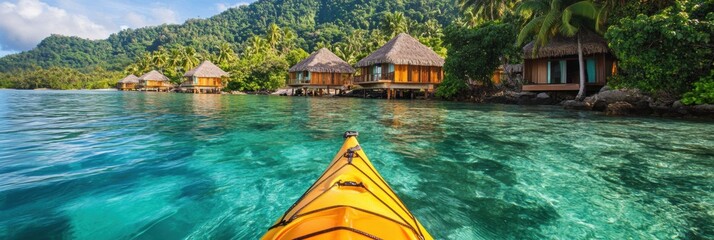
x=130 y=79
x=153 y=76
x=564 y=46
x=403 y=50
x=323 y=61
x=206 y=69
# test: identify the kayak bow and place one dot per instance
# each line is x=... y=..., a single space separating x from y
x=349 y=201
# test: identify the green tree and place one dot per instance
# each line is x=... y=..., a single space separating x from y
x=486 y=10
x=256 y=46
x=549 y=18
x=189 y=59
x=226 y=54
x=295 y=56
x=159 y=58
x=395 y=23
x=274 y=36
x=474 y=55
x=664 y=52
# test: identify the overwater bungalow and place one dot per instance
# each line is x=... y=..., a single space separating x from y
x=154 y=81
x=321 y=71
x=128 y=83
x=206 y=78
x=555 y=66
x=401 y=65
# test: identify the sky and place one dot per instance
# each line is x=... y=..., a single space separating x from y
x=24 y=23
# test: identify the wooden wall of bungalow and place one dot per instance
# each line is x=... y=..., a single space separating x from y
x=155 y=84
x=203 y=82
x=402 y=73
x=126 y=86
x=598 y=68
x=322 y=78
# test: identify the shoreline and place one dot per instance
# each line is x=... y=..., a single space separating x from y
x=614 y=103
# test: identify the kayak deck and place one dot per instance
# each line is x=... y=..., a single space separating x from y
x=350 y=200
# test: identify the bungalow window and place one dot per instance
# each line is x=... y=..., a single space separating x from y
x=391 y=68
x=377 y=72
x=568 y=71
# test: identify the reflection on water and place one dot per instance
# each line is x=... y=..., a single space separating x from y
x=124 y=165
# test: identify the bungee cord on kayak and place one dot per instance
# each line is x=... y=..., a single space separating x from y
x=350 y=186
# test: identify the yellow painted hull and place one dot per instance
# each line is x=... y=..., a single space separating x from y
x=349 y=201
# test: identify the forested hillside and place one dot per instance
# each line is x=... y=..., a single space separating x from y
x=314 y=22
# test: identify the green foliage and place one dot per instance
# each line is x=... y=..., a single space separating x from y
x=663 y=52
x=259 y=72
x=615 y=10
x=480 y=11
x=59 y=78
x=474 y=55
x=549 y=18
x=703 y=92
x=295 y=56
x=304 y=22
x=451 y=87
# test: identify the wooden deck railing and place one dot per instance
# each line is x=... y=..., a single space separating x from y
x=374 y=77
x=298 y=81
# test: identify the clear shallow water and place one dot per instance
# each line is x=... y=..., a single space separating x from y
x=110 y=165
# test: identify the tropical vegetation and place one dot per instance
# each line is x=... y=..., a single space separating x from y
x=474 y=54
x=662 y=46
x=265 y=38
x=664 y=52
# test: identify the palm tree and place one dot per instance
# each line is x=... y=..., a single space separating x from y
x=395 y=23
x=225 y=53
x=175 y=55
x=289 y=37
x=547 y=19
x=175 y=60
x=189 y=59
x=432 y=28
x=159 y=58
x=274 y=35
x=144 y=62
x=256 y=45
x=486 y=9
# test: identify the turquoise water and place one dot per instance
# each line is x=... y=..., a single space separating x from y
x=111 y=165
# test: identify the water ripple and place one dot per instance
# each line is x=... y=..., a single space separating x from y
x=112 y=165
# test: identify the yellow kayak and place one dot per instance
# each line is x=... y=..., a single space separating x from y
x=349 y=201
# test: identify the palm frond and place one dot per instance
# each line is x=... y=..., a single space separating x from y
x=585 y=10
x=528 y=29
x=550 y=20
x=530 y=7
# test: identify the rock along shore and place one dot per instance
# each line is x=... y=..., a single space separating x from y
x=621 y=102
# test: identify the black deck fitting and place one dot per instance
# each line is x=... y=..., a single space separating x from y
x=351 y=134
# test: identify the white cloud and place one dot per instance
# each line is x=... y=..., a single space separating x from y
x=135 y=19
x=223 y=6
x=27 y=22
x=164 y=15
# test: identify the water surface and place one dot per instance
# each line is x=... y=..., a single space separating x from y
x=112 y=165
